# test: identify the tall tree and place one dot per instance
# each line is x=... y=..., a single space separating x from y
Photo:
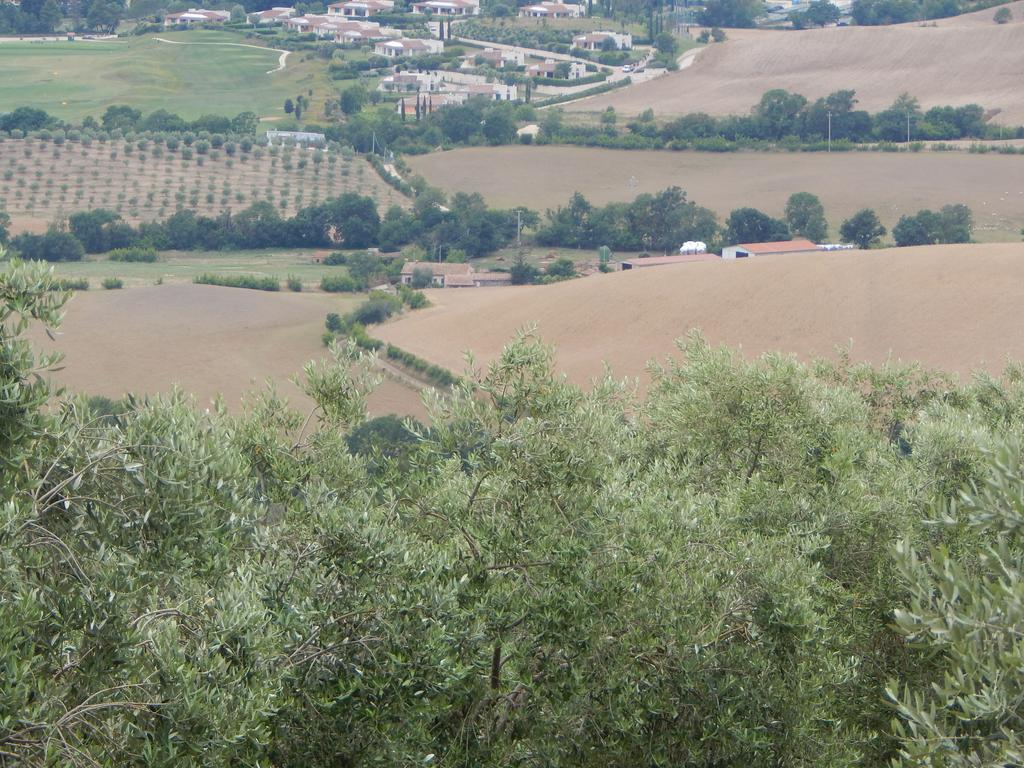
x=806 y=216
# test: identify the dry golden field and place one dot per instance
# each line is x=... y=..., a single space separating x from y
x=954 y=307
x=202 y=339
x=964 y=60
x=40 y=181
x=892 y=183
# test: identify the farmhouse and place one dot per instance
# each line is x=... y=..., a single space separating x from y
x=551 y=11
x=360 y=9
x=446 y=275
x=661 y=261
x=426 y=104
x=602 y=41
x=744 y=250
x=271 y=16
x=549 y=68
x=408 y=47
x=196 y=16
x=448 y=7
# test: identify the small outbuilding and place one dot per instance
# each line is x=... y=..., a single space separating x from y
x=745 y=250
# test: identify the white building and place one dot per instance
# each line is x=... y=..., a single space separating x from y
x=745 y=250
x=196 y=16
x=408 y=47
x=551 y=11
x=598 y=41
x=304 y=138
x=549 y=68
x=271 y=16
x=360 y=9
x=448 y=7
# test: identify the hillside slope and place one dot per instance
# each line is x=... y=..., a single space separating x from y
x=953 y=307
x=956 y=62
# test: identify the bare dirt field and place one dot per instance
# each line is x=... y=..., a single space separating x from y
x=204 y=339
x=954 y=307
x=966 y=60
x=892 y=183
x=41 y=181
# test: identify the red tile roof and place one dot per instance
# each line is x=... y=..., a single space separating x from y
x=780 y=246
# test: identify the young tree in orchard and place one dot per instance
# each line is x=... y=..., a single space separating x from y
x=863 y=228
x=806 y=216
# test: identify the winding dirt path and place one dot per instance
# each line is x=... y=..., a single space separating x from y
x=281 y=62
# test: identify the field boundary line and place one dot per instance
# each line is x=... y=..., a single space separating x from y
x=281 y=62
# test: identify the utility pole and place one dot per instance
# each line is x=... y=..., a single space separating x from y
x=908 y=128
x=519 y=228
x=830 y=130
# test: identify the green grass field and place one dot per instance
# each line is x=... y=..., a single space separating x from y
x=72 y=80
x=184 y=266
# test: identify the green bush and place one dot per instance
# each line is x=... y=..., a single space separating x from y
x=112 y=283
x=255 y=282
x=294 y=283
x=134 y=254
x=339 y=284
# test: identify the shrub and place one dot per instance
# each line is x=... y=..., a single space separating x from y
x=294 y=283
x=113 y=283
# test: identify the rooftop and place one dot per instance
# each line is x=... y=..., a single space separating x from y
x=779 y=246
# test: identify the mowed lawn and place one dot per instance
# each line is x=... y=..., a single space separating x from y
x=72 y=80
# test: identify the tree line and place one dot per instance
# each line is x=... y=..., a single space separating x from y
x=464 y=225
x=759 y=562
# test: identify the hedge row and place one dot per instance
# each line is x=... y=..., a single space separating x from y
x=134 y=254
x=589 y=92
x=433 y=373
x=240 y=281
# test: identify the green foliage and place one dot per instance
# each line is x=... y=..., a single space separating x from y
x=339 y=284
x=255 y=282
x=112 y=283
x=953 y=224
x=966 y=609
x=422 y=277
x=749 y=225
x=863 y=228
x=294 y=283
x=133 y=254
x=1003 y=16
x=806 y=217
x=561 y=269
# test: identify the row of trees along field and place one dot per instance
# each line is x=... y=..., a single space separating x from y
x=661 y=222
x=759 y=563
x=464 y=224
x=465 y=227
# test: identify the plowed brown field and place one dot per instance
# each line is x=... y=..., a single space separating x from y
x=966 y=60
x=204 y=339
x=953 y=307
x=892 y=183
